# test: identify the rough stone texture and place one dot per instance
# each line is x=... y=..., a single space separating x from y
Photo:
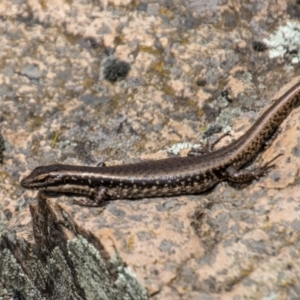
x=61 y=263
x=56 y=106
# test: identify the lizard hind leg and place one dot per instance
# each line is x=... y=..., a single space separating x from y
x=247 y=175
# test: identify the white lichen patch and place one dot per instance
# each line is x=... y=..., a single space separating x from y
x=175 y=149
x=286 y=40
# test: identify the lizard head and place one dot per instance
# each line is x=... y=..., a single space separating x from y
x=43 y=176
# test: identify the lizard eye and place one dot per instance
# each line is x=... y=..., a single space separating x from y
x=53 y=179
x=48 y=179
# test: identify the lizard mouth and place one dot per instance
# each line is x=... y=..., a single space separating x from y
x=42 y=182
x=29 y=184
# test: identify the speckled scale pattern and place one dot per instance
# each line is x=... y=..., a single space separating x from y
x=171 y=176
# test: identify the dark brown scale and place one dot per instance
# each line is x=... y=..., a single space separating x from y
x=171 y=176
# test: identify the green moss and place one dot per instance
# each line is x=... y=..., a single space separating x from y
x=140 y=144
x=2 y=63
x=200 y=112
x=131 y=243
x=132 y=6
x=88 y=82
x=4 y=176
x=71 y=38
x=159 y=67
x=36 y=122
x=168 y=90
x=55 y=139
x=119 y=39
x=165 y=12
x=43 y=4
x=222 y=83
x=150 y=50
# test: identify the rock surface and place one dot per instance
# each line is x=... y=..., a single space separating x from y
x=176 y=69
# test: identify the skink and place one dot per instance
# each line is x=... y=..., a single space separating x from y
x=171 y=176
